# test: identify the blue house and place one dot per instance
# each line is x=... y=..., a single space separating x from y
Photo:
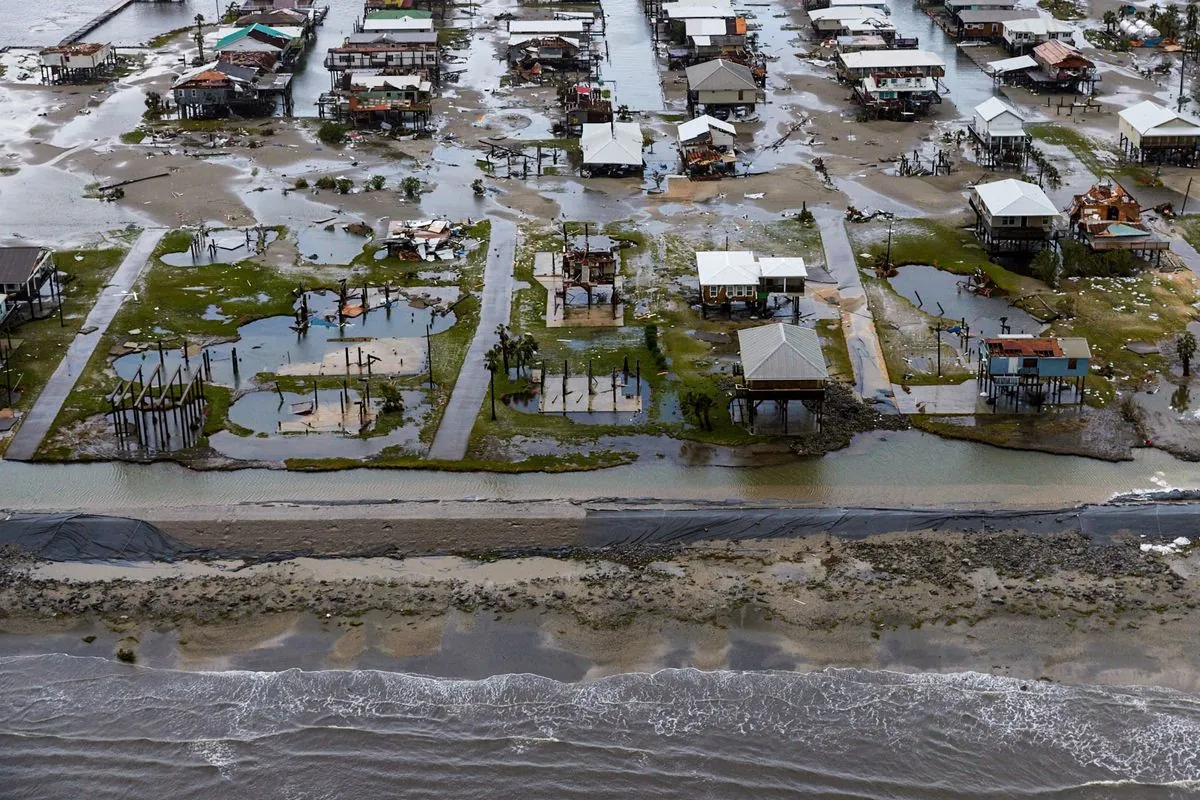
x=1036 y=368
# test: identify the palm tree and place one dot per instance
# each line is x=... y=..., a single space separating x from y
x=1191 y=17
x=491 y=360
x=502 y=332
x=200 y=35
x=527 y=348
x=1185 y=346
x=1110 y=20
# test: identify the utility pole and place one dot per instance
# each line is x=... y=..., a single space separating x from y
x=429 y=354
x=887 y=265
x=200 y=36
x=939 y=328
x=1187 y=192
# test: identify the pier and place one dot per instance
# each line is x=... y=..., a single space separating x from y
x=101 y=18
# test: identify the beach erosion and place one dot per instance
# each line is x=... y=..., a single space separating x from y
x=571 y=594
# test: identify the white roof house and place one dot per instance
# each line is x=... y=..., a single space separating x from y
x=706 y=125
x=704 y=27
x=1149 y=120
x=739 y=273
x=995 y=118
x=1014 y=198
x=1006 y=65
x=845 y=12
x=878 y=5
x=611 y=144
x=1042 y=28
x=559 y=26
x=861 y=63
x=685 y=11
x=374 y=82
x=375 y=24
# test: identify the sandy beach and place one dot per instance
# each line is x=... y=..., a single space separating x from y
x=1061 y=607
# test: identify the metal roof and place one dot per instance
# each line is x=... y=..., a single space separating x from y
x=704 y=27
x=976 y=16
x=993 y=107
x=781 y=353
x=1148 y=115
x=844 y=13
x=546 y=26
x=690 y=11
x=17 y=264
x=1056 y=52
x=720 y=75
x=1041 y=25
x=1009 y=65
x=1014 y=198
x=701 y=125
x=265 y=30
x=889 y=59
x=775 y=267
x=611 y=143
x=1075 y=347
x=727 y=268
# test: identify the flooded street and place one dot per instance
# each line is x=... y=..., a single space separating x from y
x=632 y=64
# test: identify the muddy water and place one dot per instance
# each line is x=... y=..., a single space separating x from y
x=896 y=469
x=967 y=84
x=632 y=63
x=48 y=21
x=936 y=292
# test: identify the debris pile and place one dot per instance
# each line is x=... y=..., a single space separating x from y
x=425 y=240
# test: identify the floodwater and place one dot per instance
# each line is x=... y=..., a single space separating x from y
x=967 y=83
x=329 y=244
x=530 y=403
x=48 y=21
x=632 y=64
x=938 y=292
x=270 y=344
x=263 y=412
x=902 y=469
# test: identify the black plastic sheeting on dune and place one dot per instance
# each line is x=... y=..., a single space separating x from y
x=87 y=537
x=1102 y=523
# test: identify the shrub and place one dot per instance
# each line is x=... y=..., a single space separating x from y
x=411 y=186
x=343 y=185
x=326 y=182
x=376 y=183
x=301 y=183
x=331 y=133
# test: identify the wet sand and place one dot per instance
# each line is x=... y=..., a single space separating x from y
x=1060 y=608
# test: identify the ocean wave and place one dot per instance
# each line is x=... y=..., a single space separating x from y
x=835 y=728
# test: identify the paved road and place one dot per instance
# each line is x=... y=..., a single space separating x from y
x=450 y=442
x=36 y=424
x=866 y=354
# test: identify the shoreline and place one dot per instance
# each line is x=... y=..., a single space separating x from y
x=1056 y=606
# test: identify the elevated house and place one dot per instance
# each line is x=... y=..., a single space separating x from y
x=369 y=99
x=1022 y=35
x=721 y=85
x=409 y=52
x=853 y=67
x=998 y=130
x=281 y=19
x=1036 y=369
x=829 y=23
x=780 y=364
x=956 y=7
x=611 y=150
x=876 y=5
x=1013 y=71
x=589 y=260
x=1062 y=68
x=896 y=96
x=77 y=63
x=706 y=147
x=224 y=88
x=583 y=104
x=1106 y=217
x=23 y=273
x=739 y=276
x=707 y=39
x=1150 y=133
x=406 y=19
x=573 y=28
x=1013 y=215
x=988 y=24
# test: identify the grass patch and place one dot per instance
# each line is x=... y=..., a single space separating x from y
x=566 y=462
x=454 y=38
x=837 y=354
x=1082 y=147
x=1062 y=9
x=133 y=137
x=45 y=341
x=164 y=39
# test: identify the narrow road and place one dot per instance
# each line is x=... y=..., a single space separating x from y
x=36 y=424
x=858 y=326
x=454 y=432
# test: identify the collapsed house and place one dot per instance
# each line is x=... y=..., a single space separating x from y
x=1062 y=68
x=532 y=56
x=1106 y=217
x=424 y=240
x=706 y=147
x=285 y=44
x=584 y=104
x=77 y=63
x=999 y=133
x=1150 y=133
x=837 y=21
x=281 y=19
x=896 y=96
x=611 y=150
x=1013 y=215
